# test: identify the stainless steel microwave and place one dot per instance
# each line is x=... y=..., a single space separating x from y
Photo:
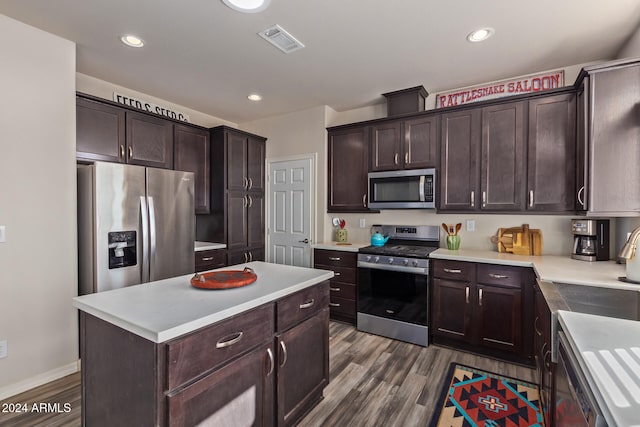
x=405 y=189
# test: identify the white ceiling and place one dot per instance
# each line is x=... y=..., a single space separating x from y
x=208 y=57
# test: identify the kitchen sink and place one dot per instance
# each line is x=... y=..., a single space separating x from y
x=610 y=302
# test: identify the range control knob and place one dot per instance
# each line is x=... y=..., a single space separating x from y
x=368 y=258
x=376 y=259
x=405 y=262
x=415 y=262
x=390 y=261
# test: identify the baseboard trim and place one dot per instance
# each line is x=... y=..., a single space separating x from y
x=38 y=380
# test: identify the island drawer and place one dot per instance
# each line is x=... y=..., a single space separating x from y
x=335 y=258
x=203 y=350
x=295 y=308
x=501 y=275
x=210 y=259
x=454 y=270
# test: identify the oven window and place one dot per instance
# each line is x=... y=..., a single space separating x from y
x=394 y=295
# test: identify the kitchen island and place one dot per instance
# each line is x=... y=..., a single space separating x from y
x=166 y=353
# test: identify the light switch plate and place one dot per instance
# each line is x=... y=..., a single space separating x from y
x=3 y=237
x=363 y=223
x=471 y=225
x=4 y=350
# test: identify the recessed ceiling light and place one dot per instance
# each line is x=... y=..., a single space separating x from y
x=247 y=6
x=132 y=41
x=254 y=97
x=480 y=35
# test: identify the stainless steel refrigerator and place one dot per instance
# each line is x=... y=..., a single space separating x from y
x=135 y=225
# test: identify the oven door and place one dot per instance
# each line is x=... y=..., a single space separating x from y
x=575 y=405
x=393 y=294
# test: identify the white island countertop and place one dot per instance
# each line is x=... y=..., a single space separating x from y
x=551 y=268
x=165 y=309
x=608 y=352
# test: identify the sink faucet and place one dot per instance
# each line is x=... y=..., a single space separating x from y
x=628 y=251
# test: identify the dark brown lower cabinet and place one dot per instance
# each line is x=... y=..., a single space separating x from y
x=263 y=367
x=303 y=369
x=245 y=255
x=241 y=391
x=483 y=307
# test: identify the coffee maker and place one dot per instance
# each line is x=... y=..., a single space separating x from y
x=590 y=239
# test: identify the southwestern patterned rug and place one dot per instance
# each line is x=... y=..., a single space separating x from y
x=473 y=397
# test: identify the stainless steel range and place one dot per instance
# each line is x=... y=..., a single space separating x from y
x=393 y=283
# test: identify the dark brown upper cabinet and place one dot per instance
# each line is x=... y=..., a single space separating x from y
x=191 y=154
x=100 y=131
x=105 y=132
x=348 y=163
x=608 y=177
x=404 y=144
x=551 y=159
x=482 y=158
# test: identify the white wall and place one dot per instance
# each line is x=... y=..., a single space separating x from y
x=631 y=49
x=38 y=262
x=102 y=89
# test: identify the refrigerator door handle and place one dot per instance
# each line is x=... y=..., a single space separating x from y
x=144 y=213
x=152 y=229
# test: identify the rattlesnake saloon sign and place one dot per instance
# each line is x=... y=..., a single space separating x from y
x=520 y=85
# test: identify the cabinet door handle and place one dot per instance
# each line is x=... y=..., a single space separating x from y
x=451 y=270
x=229 y=340
x=334 y=289
x=364 y=200
x=334 y=258
x=390 y=311
x=250 y=183
x=272 y=362
x=484 y=199
x=308 y=303
x=284 y=353
x=530 y=198
x=473 y=199
x=498 y=276
x=245 y=201
x=406 y=158
x=245 y=182
x=207 y=258
x=395 y=159
x=122 y=151
x=246 y=257
x=250 y=201
x=130 y=152
x=535 y=326
x=250 y=256
x=336 y=273
x=580 y=192
x=480 y=297
x=466 y=294
x=333 y=304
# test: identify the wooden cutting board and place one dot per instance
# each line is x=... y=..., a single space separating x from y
x=519 y=240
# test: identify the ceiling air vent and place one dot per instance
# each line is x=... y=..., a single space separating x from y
x=281 y=39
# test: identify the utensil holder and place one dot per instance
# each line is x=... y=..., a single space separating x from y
x=341 y=235
x=453 y=243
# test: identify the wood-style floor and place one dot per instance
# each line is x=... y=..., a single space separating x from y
x=375 y=381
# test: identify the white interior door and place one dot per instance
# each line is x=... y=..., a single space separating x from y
x=290 y=217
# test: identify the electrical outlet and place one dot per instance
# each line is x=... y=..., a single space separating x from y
x=471 y=225
x=4 y=349
x=363 y=223
x=3 y=236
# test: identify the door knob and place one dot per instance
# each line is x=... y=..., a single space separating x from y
x=304 y=241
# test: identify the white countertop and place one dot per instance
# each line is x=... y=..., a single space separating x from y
x=205 y=246
x=165 y=309
x=335 y=246
x=552 y=268
x=610 y=362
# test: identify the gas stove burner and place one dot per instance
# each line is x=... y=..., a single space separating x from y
x=410 y=251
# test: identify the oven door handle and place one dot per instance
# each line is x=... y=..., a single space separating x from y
x=399 y=268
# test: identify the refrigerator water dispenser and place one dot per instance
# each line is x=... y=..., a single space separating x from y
x=122 y=249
